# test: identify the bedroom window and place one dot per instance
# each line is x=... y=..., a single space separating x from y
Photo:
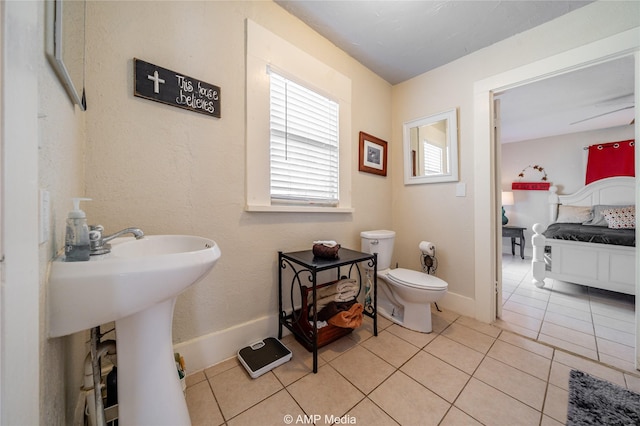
x=304 y=144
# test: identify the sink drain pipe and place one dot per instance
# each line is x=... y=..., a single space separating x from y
x=92 y=375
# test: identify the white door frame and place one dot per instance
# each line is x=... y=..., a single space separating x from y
x=622 y=44
x=20 y=313
x=637 y=159
x=497 y=183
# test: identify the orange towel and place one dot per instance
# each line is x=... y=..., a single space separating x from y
x=334 y=308
x=348 y=319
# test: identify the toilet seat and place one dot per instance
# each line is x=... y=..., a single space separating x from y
x=416 y=279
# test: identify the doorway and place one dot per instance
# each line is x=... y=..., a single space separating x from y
x=563 y=114
x=487 y=204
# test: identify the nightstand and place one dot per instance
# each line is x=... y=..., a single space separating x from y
x=514 y=232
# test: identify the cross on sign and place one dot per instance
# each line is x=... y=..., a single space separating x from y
x=156 y=81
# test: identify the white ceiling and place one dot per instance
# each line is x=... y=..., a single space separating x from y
x=598 y=97
x=399 y=40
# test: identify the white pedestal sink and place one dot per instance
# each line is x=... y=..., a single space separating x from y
x=136 y=285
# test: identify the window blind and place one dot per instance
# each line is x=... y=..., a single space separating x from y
x=432 y=159
x=303 y=144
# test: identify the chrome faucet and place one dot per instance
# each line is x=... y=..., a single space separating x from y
x=99 y=244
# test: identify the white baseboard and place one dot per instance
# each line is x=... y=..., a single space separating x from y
x=205 y=351
x=459 y=304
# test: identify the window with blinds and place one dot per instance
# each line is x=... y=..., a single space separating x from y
x=303 y=144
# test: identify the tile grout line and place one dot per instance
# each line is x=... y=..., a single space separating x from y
x=593 y=325
x=546 y=390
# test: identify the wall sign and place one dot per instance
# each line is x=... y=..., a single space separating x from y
x=533 y=186
x=176 y=89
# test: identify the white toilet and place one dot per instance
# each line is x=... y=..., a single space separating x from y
x=404 y=295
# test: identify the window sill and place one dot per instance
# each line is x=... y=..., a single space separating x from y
x=297 y=209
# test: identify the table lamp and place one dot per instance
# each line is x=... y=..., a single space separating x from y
x=507 y=200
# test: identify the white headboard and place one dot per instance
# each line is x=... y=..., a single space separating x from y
x=617 y=191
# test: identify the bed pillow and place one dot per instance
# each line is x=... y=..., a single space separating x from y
x=573 y=214
x=598 y=219
x=621 y=217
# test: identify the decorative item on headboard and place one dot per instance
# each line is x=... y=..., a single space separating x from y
x=532 y=186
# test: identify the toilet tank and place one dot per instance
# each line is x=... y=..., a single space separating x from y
x=380 y=242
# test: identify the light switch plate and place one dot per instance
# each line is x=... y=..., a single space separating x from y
x=461 y=189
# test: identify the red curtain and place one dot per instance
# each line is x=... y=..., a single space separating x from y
x=610 y=159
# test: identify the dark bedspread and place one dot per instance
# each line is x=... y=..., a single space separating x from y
x=591 y=234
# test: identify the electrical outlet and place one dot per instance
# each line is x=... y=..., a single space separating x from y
x=45 y=216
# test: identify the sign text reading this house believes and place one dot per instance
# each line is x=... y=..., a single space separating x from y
x=176 y=89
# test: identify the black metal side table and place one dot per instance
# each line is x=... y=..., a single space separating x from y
x=305 y=267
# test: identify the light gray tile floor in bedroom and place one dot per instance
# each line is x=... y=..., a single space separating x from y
x=464 y=373
x=595 y=324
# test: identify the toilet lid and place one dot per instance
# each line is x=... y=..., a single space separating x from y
x=416 y=279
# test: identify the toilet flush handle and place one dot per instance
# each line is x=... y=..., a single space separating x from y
x=374 y=242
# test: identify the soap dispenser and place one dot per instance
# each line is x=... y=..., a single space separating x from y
x=76 y=245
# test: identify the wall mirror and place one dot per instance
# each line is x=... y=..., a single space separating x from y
x=431 y=149
x=65 y=45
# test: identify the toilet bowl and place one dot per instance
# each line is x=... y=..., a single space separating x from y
x=409 y=294
x=404 y=295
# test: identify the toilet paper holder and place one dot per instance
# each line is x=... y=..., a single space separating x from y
x=428 y=257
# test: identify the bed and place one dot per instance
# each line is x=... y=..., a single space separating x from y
x=579 y=246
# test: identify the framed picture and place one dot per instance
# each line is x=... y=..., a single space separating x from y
x=373 y=155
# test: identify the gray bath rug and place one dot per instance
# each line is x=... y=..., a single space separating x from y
x=593 y=401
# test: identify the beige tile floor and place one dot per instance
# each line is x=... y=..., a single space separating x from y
x=593 y=323
x=464 y=373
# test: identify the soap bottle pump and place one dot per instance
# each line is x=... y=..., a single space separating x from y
x=76 y=245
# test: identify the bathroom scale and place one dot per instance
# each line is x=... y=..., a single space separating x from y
x=262 y=356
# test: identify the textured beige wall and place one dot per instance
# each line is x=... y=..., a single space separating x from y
x=171 y=171
x=432 y=211
x=61 y=129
